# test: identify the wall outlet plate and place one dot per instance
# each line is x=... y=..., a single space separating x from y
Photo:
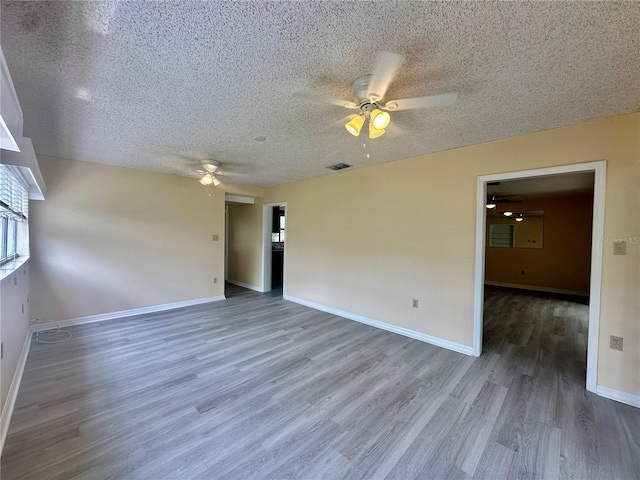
x=415 y=303
x=615 y=343
x=619 y=248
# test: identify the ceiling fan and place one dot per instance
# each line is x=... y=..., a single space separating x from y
x=210 y=171
x=369 y=98
x=493 y=200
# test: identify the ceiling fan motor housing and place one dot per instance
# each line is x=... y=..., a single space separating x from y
x=360 y=87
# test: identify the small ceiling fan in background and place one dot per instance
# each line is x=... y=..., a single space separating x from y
x=493 y=200
x=210 y=171
x=369 y=92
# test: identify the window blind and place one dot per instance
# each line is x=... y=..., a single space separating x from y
x=14 y=194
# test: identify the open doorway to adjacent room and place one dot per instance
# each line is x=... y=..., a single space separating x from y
x=538 y=269
x=274 y=221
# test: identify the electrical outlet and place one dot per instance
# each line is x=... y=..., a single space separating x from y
x=214 y=238
x=415 y=303
x=615 y=343
x=619 y=248
x=215 y=279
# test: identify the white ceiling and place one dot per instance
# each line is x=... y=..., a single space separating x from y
x=563 y=184
x=158 y=85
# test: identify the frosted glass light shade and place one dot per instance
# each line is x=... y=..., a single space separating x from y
x=380 y=119
x=207 y=179
x=375 y=132
x=354 y=125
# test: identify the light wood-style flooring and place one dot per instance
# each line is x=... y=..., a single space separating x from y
x=259 y=387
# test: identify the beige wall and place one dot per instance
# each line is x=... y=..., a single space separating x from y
x=110 y=239
x=367 y=241
x=244 y=227
x=563 y=261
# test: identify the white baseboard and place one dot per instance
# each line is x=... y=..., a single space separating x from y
x=10 y=401
x=618 y=396
x=127 y=313
x=536 y=288
x=423 y=337
x=246 y=285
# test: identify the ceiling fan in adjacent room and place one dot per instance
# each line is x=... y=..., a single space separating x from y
x=369 y=98
x=210 y=171
x=494 y=200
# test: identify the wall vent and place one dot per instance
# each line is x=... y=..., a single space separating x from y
x=338 y=166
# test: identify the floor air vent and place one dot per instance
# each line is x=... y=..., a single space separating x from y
x=338 y=166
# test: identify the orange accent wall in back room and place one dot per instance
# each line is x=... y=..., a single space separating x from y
x=563 y=262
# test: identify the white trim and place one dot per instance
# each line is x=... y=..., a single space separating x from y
x=618 y=396
x=597 y=246
x=245 y=285
x=536 y=288
x=423 y=337
x=597 y=240
x=478 y=291
x=101 y=317
x=12 y=395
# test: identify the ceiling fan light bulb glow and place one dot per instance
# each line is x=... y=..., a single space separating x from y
x=380 y=119
x=375 y=132
x=215 y=181
x=354 y=125
x=206 y=179
x=507 y=213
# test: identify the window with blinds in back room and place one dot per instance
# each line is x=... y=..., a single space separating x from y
x=14 y=201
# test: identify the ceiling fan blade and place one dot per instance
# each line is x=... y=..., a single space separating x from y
x=444 y=100
x=322 y=98
x=231 y=174
x=385 y=70
x=393 y=130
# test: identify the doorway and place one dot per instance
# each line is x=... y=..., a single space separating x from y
x=597 y=237
x=274 y=238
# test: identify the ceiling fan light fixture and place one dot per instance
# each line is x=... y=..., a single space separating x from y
x=215 y=181
x=375 y=132
x=380 y=119
x=207 y=179
x=354 y=125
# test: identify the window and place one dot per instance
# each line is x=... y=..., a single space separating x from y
x=282 y=222
x=13 y=209
x=501 y=235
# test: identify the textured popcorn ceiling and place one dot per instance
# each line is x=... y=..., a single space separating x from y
x=157 y=85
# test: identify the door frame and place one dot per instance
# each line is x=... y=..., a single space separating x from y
x=597 y=244
x=267 y=221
